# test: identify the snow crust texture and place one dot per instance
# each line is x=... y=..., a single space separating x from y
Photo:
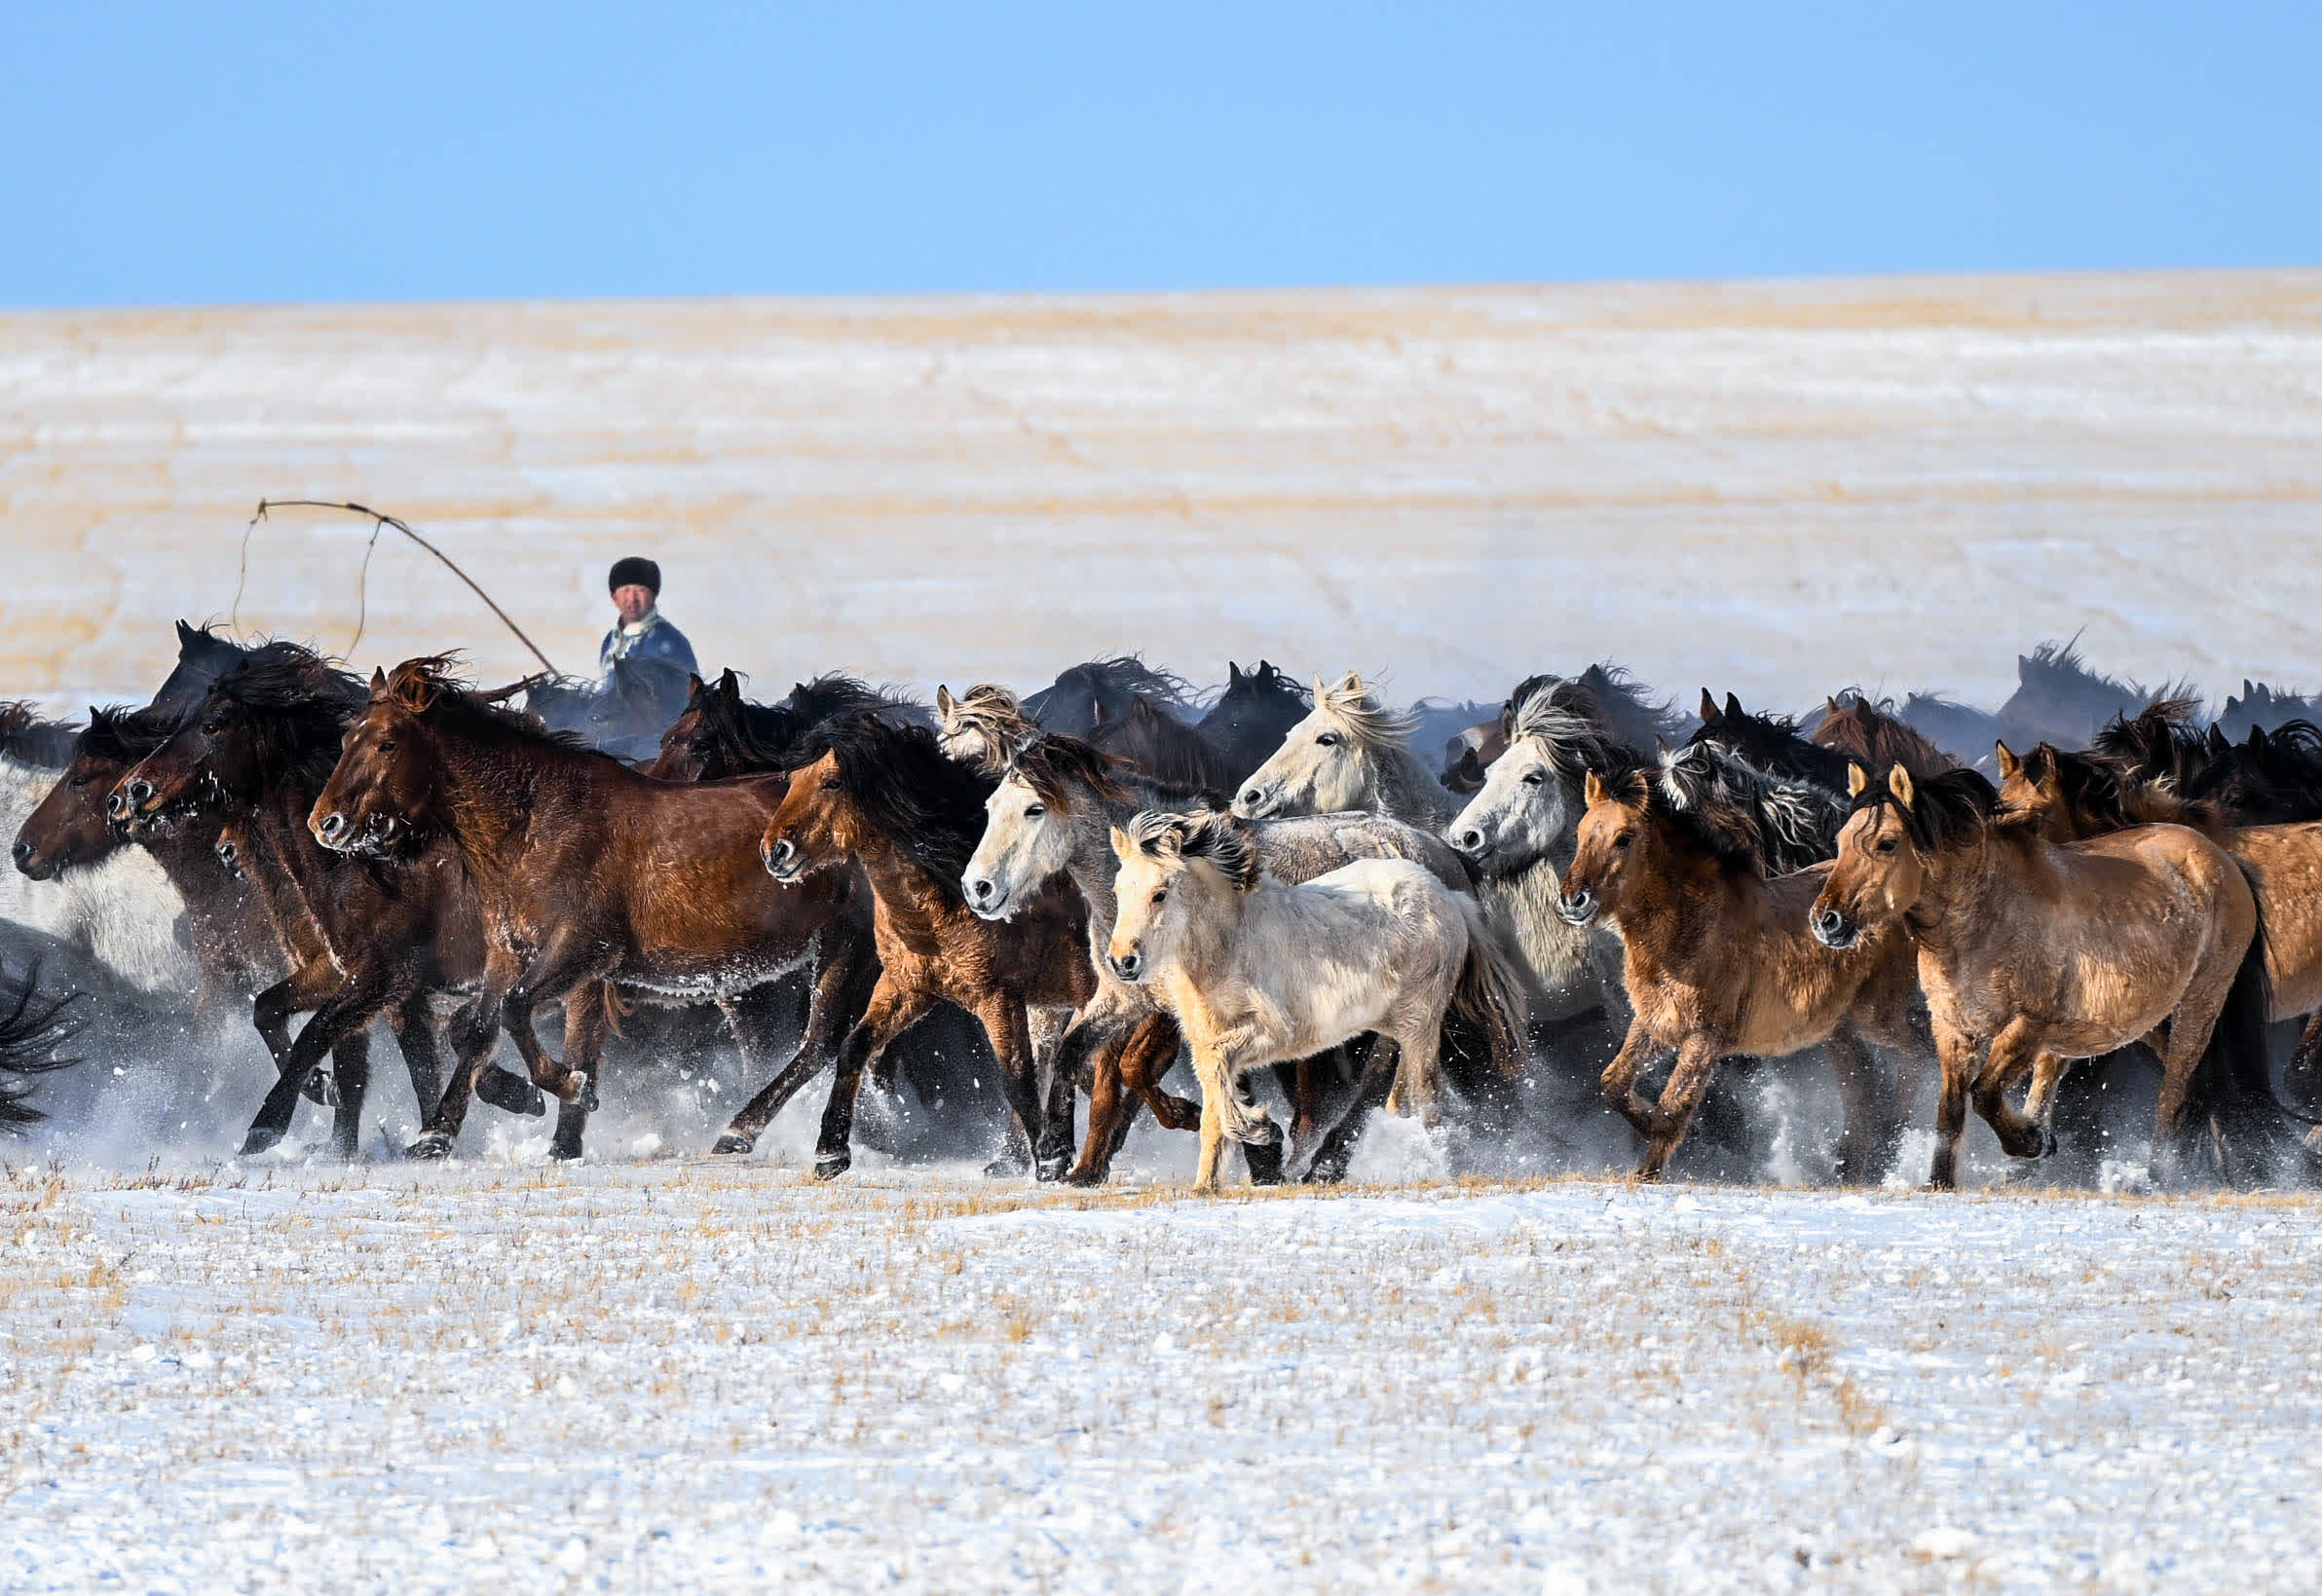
x=677 y=1376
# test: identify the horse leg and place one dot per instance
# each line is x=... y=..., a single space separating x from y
x=1002 y=1016
x=891 y=1011
x=1110 y=1109
x=1377 y=1078
x=1955 y=1054
x=1213 y=1135
x=2039 y=1099
x=1619 y=1082
x=338 y=1020
x=414 y=1024
x=584 y=1025
x=2302 y=1079
x=558 y=971
x=1680 y=1099
x=304 y=990
x=1051 y=1149
x=842 y=986
x=473 y=1034
x=2014 y=1055
x=1870 y=1120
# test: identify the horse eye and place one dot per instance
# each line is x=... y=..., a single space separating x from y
x=1534 y=778
x=1328 y=739
x=1158 y=896
x=1624 y=839
x=1035 y=811
x=830 y=783
x=80 y=781
x=387 y=746
x=1888 y=845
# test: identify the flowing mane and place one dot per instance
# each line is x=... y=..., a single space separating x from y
x=1562 y=716
x=1627 y=711
x=298 y=703
x=1945 y=811
x=1795 y=823
x=1873 y=736
x=928 y=805
x=1227 y=843
x=1369 y=725
x=121 y=733
x=1054 y=765
x=1697 y=814
x=431 y=688
x=2162 y=742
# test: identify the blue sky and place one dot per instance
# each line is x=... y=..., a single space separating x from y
x=241 y=153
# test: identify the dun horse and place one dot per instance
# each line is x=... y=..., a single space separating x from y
x=886 y=799
x=2031 y=953
x=1718 y=961
x=1257 y=972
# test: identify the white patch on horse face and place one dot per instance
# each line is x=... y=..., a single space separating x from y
x=1522 y=809
x=1317 y=770
x=1025 y=843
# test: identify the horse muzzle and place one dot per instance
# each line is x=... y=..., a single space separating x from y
x=1471 y=843
x=1129 y=968
x=28 y=862
x=782 y=859
x=985 y=897
x=1834 y=930
x=331 y=831
x=1577 y=908
x=1256 y=803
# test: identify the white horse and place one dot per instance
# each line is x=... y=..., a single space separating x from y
x=982 y=727
x=1257 y=970
x=1348 y=754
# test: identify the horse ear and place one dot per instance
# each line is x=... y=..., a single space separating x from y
x=1123 y=848
x=2249 y=689
x=1831 y=701
x=694 y=687
x=378 y=680
x=1233 y=676
x=1898 y=782
x=2009 y=765
x=2218 y=743
x=1709 y=710
x=1321 y=692
x=1733 y=707
x=944 y=702
x=185 y=634
x=2256 y=737
x=1349 y=682
x=1593 y=787
x=1857 y=779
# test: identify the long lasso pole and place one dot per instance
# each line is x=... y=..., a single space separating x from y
x=379 y=519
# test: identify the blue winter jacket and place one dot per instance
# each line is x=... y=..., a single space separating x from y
x=660 y=641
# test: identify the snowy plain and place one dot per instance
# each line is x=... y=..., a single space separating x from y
x=679 y=1375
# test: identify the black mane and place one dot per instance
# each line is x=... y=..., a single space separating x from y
x=1944 y=811
x=930 y=806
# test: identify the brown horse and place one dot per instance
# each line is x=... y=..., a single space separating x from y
x=586 y=870
x=367 y=939
x=1718 y=961
x=886 y=798
x=2073 y=797
x=1874 y=738
x=2031 y=953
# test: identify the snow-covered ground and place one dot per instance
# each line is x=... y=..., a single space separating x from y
x=692 y=1376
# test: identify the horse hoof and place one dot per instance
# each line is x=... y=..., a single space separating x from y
x=565 y=1152
x=509 y=1093
x=1324 y=1175
x=262 y=1138
x=731 y=1142
x=1007 y=1166
x=429 y=1148
x=1085 y=1177
x=831 y=1166
x=584 y=1089
x=1053 y=1169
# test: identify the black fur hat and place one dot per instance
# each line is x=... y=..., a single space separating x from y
x=641 y=571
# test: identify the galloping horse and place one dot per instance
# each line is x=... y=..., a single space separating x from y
x=2031 y=953
x=586 y=870
x=1718 y=961
x=1257 y=972
x=886 y=799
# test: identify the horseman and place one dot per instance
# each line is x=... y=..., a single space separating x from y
x=640 y=632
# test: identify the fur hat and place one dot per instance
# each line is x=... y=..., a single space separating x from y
x=634 y=569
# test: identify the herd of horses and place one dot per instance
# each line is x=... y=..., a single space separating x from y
x=1514 y=918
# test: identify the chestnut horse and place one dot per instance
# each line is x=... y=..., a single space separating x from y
x=586 y=870
x=886 y=797
x=367 y=939
x=2031 y=953
x=1718 y=961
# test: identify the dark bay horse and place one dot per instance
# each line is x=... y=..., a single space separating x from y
x=2261 y=708
x=886 y=797
x=1247 y=722
x=368 y=938
x=1874 y=736
x=1085 y=696
x=586 y=870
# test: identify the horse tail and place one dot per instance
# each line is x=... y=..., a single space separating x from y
x=1491 y=990
x=616 y=1010
x=2232 y=1082
x=31 y=1030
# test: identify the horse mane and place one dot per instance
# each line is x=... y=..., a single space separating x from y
x=1626 y=710
x=835 y=692
x=997 y=715
x=1873 y=736
x=431 y=687
x=1266 y=676
x=32 y=1027
x=1129 y=674
x=1173 y=750
x=121 y=733
x=1562 y=716
x=2106 y=795
x=1369 y=723
x=928 y=805
x=1771 y=742
x=2272 y=776
x=29 y=735
x=1052 y=764
x=1225 y=843
x=1945 y=810
x=770 y=737
x=299 y=703
x=2062 y=665
x=2163 y=742
x=1796 y=822
x=1703 y=817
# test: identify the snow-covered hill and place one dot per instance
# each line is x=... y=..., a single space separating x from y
x=1770 y=487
